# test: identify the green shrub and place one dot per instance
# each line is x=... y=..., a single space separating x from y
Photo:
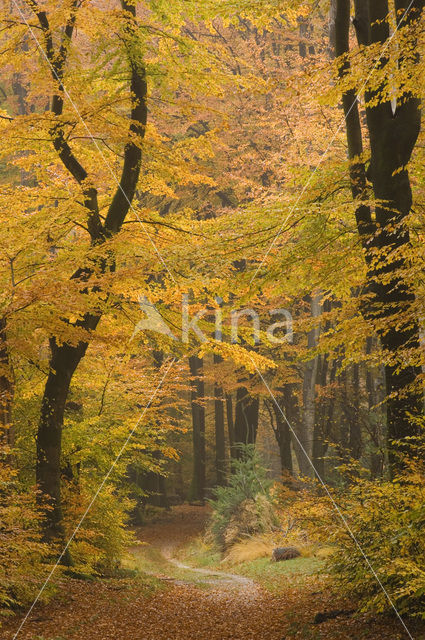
x=243 y=507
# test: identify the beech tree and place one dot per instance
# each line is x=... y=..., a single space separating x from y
x=393 y=125
x=66 y=356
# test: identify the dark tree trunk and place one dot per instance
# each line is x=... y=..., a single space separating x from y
x=63 y=362
x=392 y=139
x=230 y=424
x=355 y=444
x=376 y=421
x=305 y=427
x=285 y=448
x=220 y=442
x=66 y=357
x=198 y=428
x=321 y=426
x=284 y=443
x=153 y=482
x=281 y=428
x=351 y=434
x=246 y=419
x=154 y=485
x=329 y=421
x=357 y=170
x=393 y=135
x=319 y=436
x=344 y=418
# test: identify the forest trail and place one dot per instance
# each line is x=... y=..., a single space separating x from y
x=190 y=603
x=186 y=523
x=246 y=587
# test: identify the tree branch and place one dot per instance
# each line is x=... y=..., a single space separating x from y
x=126 y=190
x=65 y=153
x=365 y=225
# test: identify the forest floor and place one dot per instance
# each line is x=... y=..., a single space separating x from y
x=259 y=600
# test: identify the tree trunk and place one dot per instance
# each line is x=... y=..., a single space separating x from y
x=220 y=443
x=393 y=135
x=392 y=138
x=198 y=428
x=66 y=357
x=305 y=427
x=154 y=484
x=355 y=444
x=319 y=448
x=376 y=417
x=246 y=420
x=321 y=426
x=281 y=429
x=230 y=424
x=64 y=360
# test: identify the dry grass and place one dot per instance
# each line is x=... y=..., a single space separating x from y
x=249 y=550
x=262 y=546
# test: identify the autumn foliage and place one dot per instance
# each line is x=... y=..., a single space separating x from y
x=197 y=162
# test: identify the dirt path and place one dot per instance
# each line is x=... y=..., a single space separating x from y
x=170 y=535
x=220 y=579
x=217 y=606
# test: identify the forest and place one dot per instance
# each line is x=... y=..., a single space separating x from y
x=212 y=325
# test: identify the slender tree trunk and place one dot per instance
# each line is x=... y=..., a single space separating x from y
x=220 y=442
x=355 y=443
x=320 y=426
x=344 y=418
x=246 y=419
x=329 y=421
x=284 y=443
x=375 y=397
x=319 y=448
x=285 y=448
x=230 y=424
x=153 y=482
x=305 y=428
x=281 y=429
x=198 y=428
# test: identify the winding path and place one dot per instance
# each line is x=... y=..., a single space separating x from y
x=221 y=580
x=219 y=606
